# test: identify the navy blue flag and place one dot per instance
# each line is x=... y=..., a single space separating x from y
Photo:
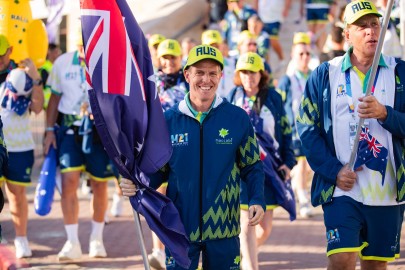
x=271 y=162
x=371 y=153
x=128 y=114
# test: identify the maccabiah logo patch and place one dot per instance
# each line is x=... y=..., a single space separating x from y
x=332 y=236
x=223 y=133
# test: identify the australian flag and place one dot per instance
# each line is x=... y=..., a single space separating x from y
x=371 y=153
x=127 y=112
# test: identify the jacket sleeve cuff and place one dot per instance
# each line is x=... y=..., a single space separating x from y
x=334 y=171
x=258 y=202
x=387 y=119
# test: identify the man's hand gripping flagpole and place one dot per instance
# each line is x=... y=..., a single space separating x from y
x=371 y=79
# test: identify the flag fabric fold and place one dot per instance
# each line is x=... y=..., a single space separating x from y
x=371 y=153
x=127 y=112
x=271 y=162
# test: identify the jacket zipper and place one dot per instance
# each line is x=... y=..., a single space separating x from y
x=201 y=182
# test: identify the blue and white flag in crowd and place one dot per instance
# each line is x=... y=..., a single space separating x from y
x=128 y=114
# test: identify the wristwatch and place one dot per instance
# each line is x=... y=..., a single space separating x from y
x=38 y=82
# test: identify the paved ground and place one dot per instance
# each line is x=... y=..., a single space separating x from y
x=292 y=245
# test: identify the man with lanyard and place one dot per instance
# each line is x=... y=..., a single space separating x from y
x=362 y=208
x=219 y=140
x=69 y=97
x=291 y=87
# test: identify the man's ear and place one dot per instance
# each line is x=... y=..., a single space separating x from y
x=346 y=34
x=187 y=75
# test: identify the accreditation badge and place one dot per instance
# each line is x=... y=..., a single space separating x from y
x=353 y=129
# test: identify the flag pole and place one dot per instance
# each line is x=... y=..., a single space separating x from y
x=371 y=79
x=402 y=31
x=138 y=228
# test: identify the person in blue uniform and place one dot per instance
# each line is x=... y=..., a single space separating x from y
x=214 y=147
x=363 y=205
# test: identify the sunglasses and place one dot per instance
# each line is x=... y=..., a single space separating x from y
x=252 y=44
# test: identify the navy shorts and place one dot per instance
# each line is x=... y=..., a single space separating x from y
x=19 y=168
x=273 y=29
x=71 y=158
x=317 y=15
x=373 y=231
x=216 y=255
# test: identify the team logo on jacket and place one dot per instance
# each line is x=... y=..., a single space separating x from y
x=223 y=134
x=341 y=91
x=180 y=139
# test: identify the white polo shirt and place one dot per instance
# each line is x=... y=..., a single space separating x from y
x=67 y=79
x=369 y=188
x=270 y=11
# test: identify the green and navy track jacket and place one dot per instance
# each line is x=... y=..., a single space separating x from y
x=314 y=124
x=209 y=159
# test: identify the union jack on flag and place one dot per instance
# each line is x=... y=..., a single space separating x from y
x=373 y=144
x=371 y=153
x=107 y=46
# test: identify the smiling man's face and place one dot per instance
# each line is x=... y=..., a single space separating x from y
x=203 y=77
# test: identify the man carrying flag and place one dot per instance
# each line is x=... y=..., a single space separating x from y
x=362 y=208
x=214 y=147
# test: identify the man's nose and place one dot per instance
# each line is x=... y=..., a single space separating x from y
x=370 y=30
x=206 y=77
